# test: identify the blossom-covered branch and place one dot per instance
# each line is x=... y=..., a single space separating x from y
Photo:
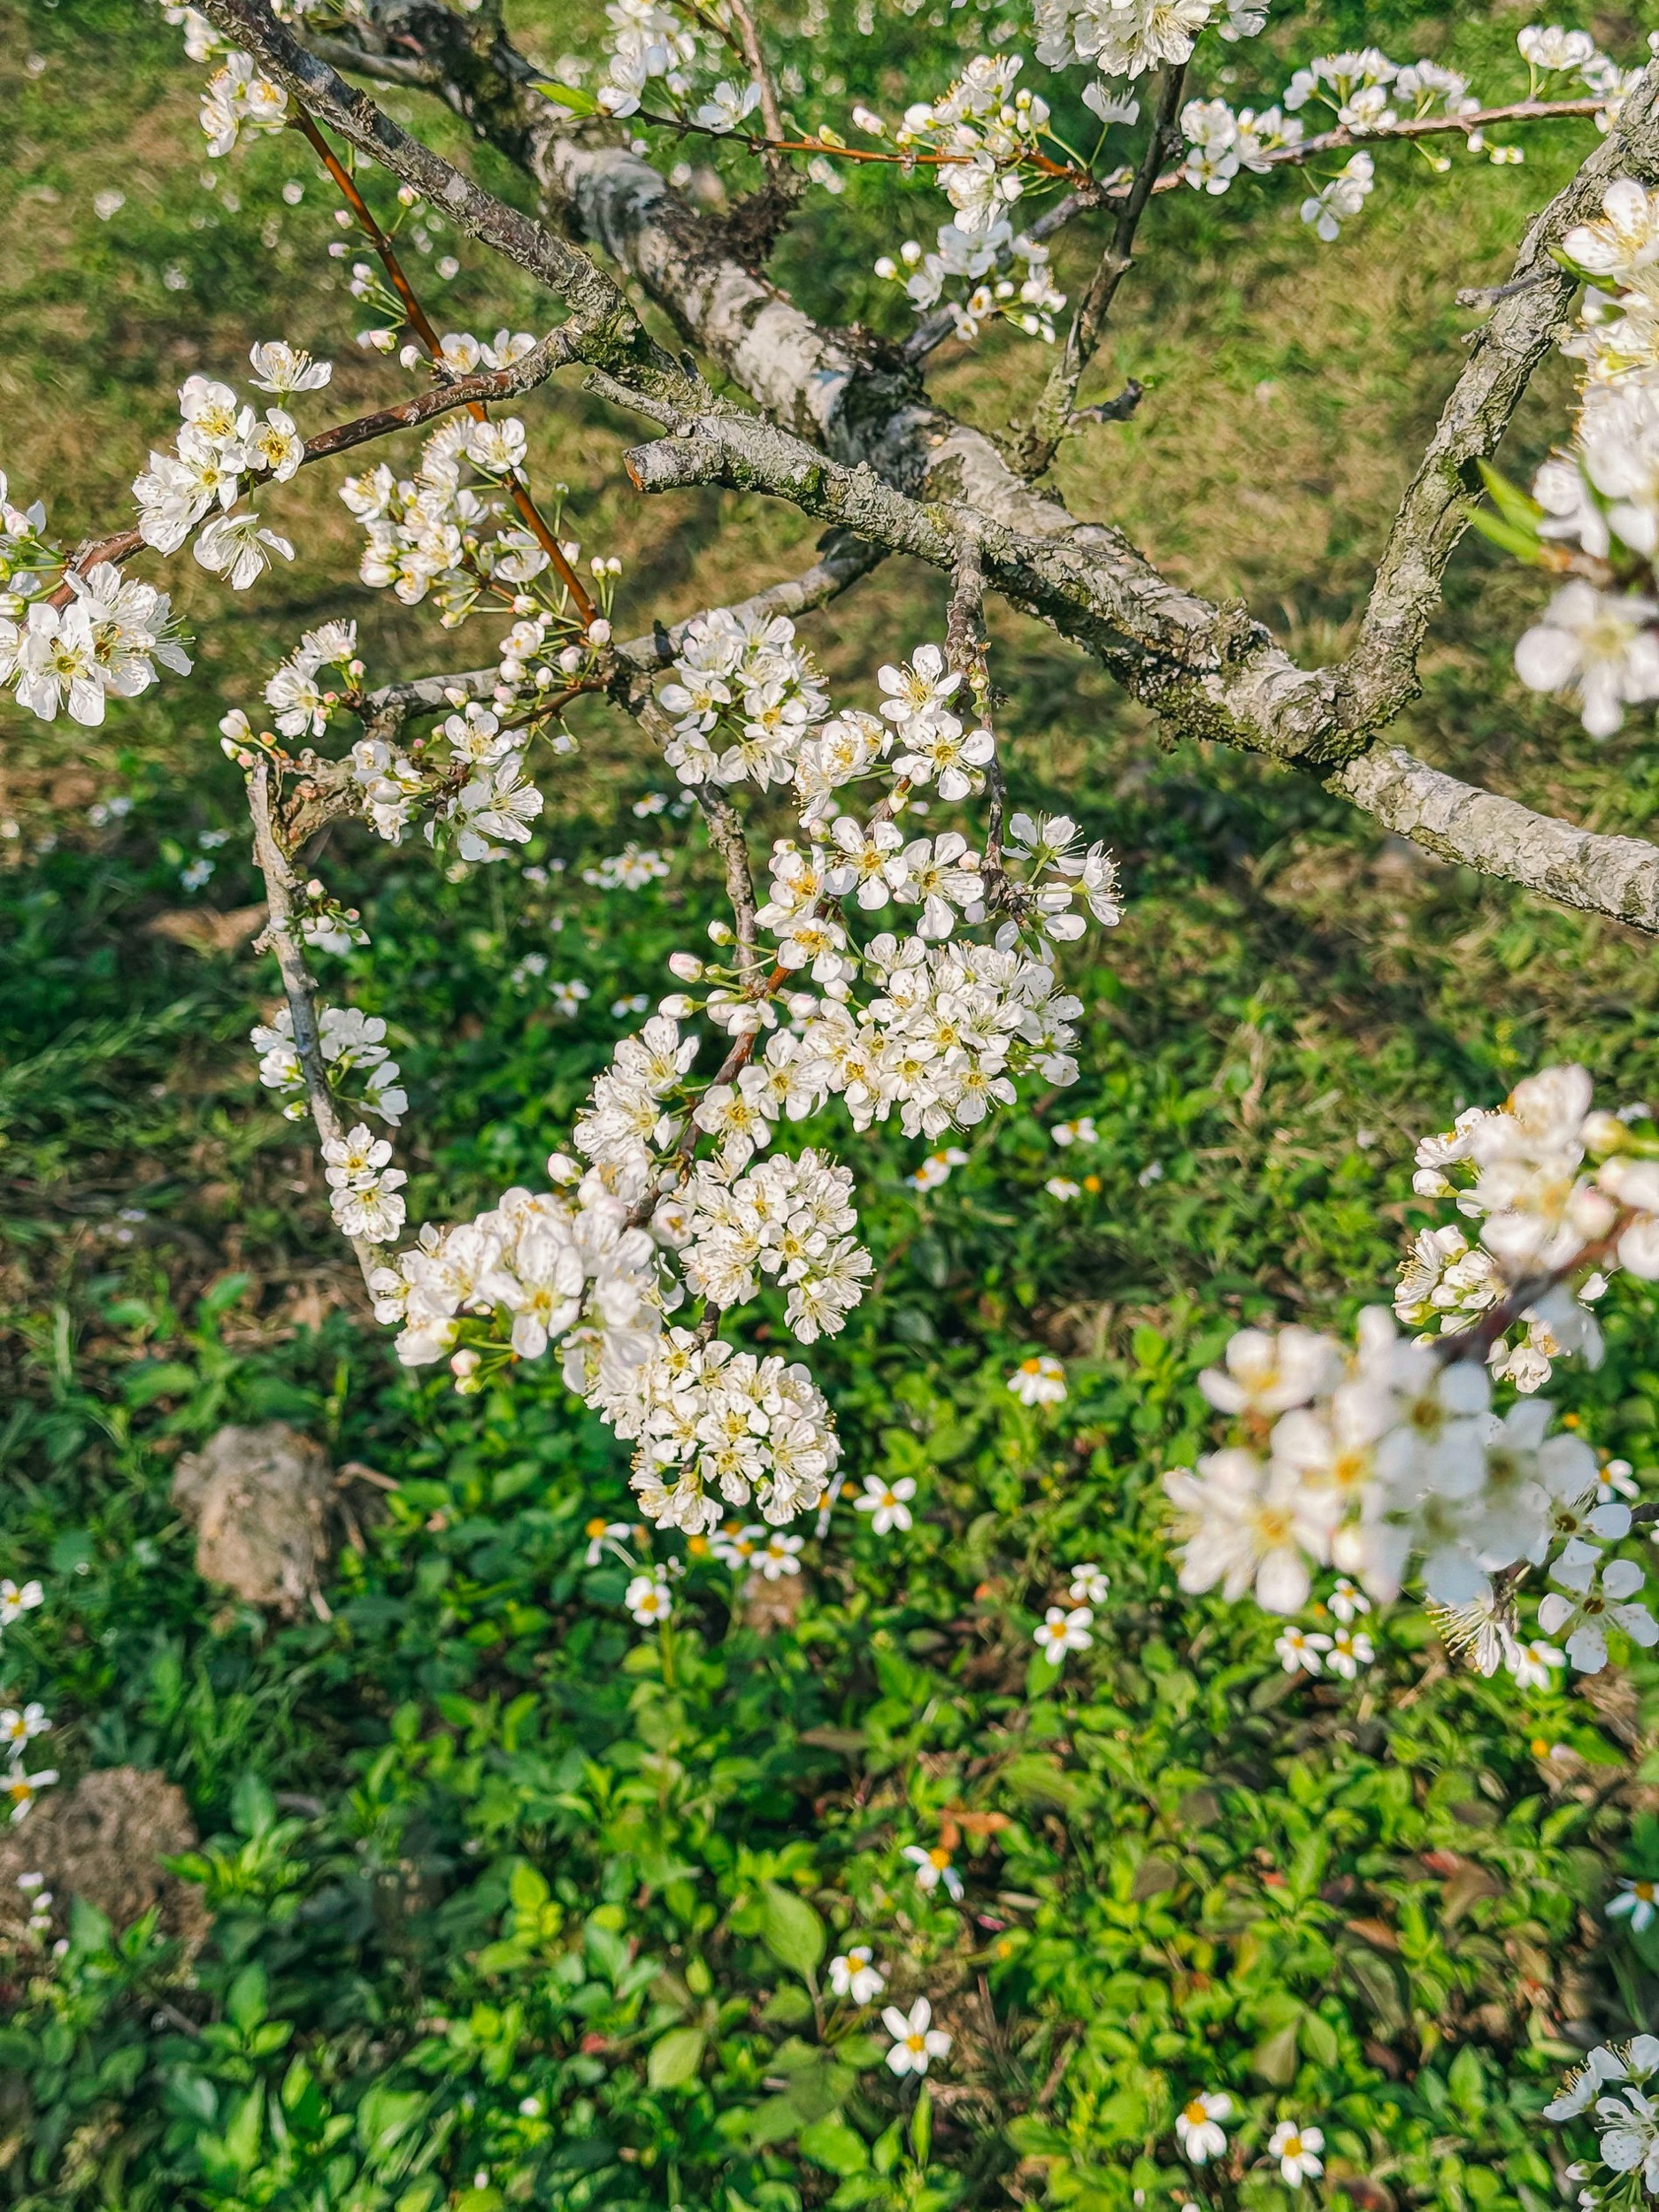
x=1206 y=671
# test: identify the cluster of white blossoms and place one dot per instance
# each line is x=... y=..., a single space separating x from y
x=1597 y=643
x=301 y=704
x=1525 y=1171
x=746 y=678
x=990 y=136
x=714 y=1426
x=20 y=1726
x=686 y=1194
x=441 y=531
x=363 y=1186
x=652 y=51
x=241 y=103
x=1126 y=38
x=1613 y=2087
x=224 y=447
x=985 y=262
x=1221 y=141
x=1390 y=1452
x=106 y=638
x=545 y=1261
x=788 y=1219
x=983 y=132
x=360 y=1070
x=1366 y=95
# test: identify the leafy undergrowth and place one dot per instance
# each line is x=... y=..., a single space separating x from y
x=515 y=1901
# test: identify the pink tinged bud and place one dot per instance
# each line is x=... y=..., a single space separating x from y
x=686 y=965
x=599 y=632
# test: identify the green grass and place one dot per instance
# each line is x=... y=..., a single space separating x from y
x=476 y=1840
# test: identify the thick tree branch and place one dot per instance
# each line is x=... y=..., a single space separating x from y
x=1615 y=876
x=1209 y=671
x=1526 y=321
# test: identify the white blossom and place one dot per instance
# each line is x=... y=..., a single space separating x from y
x=1039 y=1381
x=239 y=101
x=854 y=1973
x=1198 y=2128
x=916 y=2041
x=1597 y=647
x=239 y=548
x=1062 y=1631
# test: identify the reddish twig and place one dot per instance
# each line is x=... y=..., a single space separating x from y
x=421 y=323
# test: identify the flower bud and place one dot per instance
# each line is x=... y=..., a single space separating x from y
x=720 y=933
x=599 y=632
x=686 y=965
x=677 y=1006
x=1604 y=1132
x=887 y=268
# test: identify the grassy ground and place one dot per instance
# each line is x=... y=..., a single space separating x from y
x=481 y=1850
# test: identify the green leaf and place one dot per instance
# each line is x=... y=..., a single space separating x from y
x=1524 y=544
x=792 y=1931
x=1509 y=500
x=246 y=1998
x=860 y=2052
x=528 y=1889
x=1274 y=2060
x=922 y=2126
x=567 y=96
x=386 y=2115
x=252 y=1807
x=675 y=2058
x=222 y=1296
x=830 y=2142
x=241 y=2139
x=787 y=2007
x=168 y=1380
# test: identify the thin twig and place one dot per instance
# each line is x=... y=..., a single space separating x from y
x=726 y=834
x=754 y=54
x=297 y=983
x=1336 y=140
x=1489 y=295
x=529 y=513
x=1052 y=416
